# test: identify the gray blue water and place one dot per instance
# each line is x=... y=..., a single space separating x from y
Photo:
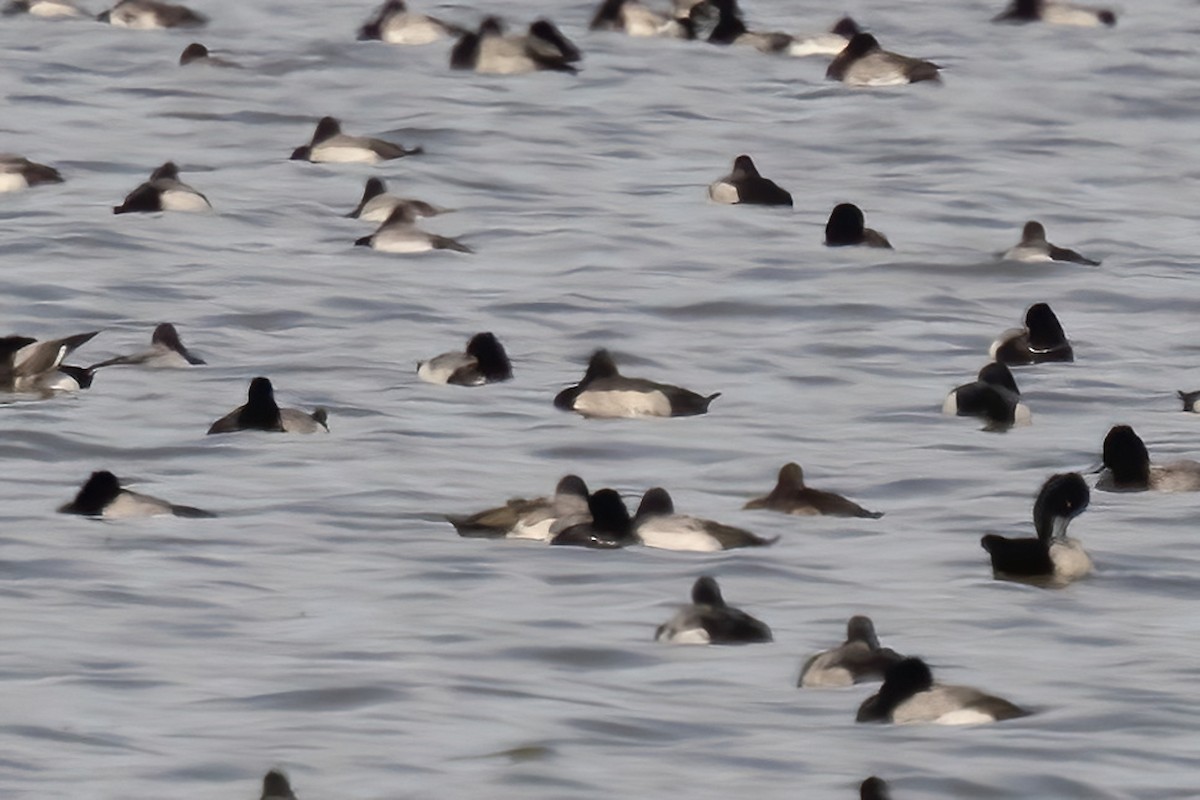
x=330 y=623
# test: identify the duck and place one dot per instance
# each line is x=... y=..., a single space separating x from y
x=1191 y=401
x=330 y=146
x=393 y=23
x=166 y=351
x=30 y=366
x=483 y=362
x=163 y=192
x=910 y=695
x=708 y=620
x=276 y=786
x=874 y=788
x=1127 y=467
x=18 y=173
x=490 y=51
x=1053 y=558
x=605 y=393
x=261 y=413
x=829 y=43
x=196 y=53
x=145 y=15
x=103 y=496
x=1055 y=13
x=857 y=660
x=846 y=227
x=610 y=526
x=791 y=496
x=657 y=525
x=377 y=205
x=1041 y=340
x=636 y=19
x=993 y=396
x=1034 y=248
x=47 y=9
x=864 y=63
x=745 y=186
x=399 y=234
x=539 y=519
x=730 y=28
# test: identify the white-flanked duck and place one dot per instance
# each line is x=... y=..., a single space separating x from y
x=708 y=620
x=163 y=192
x=330 y=146
x=1127 y=467
x=857 y=660
x=1033 y=247
x=993 y=396
x=483 y=362
x=1041 y=340
x=1052 y=558
x=657 y=525
x=605 y=393
x=910 y=695
x=539 y=519
x=864 y=63
x=103 y=496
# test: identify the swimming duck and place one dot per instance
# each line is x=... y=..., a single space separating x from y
x=395 y=24
x=846 y=227
x=1127 y=467
x=791 y=496
x=874 y=788
x=163 y=192
x=18 y=173
x=1041 y=340
x=103 y=496
x=710 y=621
x=1055 y=13
x=148 y=15
x=166 y=350
x=1191 y=401
x=910 y=695
x=605 y=393
x=864 y=63
x=490 y=51
x=744 y=185
x=196 y=53
x=330 y=146
x=1034 y=247
x=1053 y=558
x=657 y=525
x=635 y=19
x=399 y=234
x=993 y=396
x=48 y=9
x=538 y=519
x=609 y=528
x=376 y=205
x=483 y=362
x=276 y=787
x=261 y=413
x=857 y=660
x=27 y=365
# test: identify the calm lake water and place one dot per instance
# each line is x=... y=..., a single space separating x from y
x=331 y=623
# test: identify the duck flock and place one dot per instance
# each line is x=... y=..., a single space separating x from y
x=600 y=395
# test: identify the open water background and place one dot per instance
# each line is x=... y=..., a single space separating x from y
x=331 y=623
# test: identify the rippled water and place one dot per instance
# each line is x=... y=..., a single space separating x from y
x=331 y=623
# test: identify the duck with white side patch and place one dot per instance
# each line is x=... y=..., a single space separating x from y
x=490 y=51
x=163 y=192
x=1056 y=13
x=657 y=525
x=993 y=396
x=1051 y=559
x=46 y=9
x=708 y=620
x=393 y=23
x=18 y=173
x=329 y=145
x=377 y=205
x=484 y=361
x=399 y=234
x=539 y=519
x=864 y=63
x=857 y=660
x=1034 y=248
x=1127 y=467
x=103 y=496
x=605 y=393
x=149 y=15
x=1041 y=340
x=27 y=365
x=909 y=695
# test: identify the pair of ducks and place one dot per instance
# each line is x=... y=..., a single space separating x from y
x=908 y=693
x=655 y=523
x=993 y=395
x=135 y=14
